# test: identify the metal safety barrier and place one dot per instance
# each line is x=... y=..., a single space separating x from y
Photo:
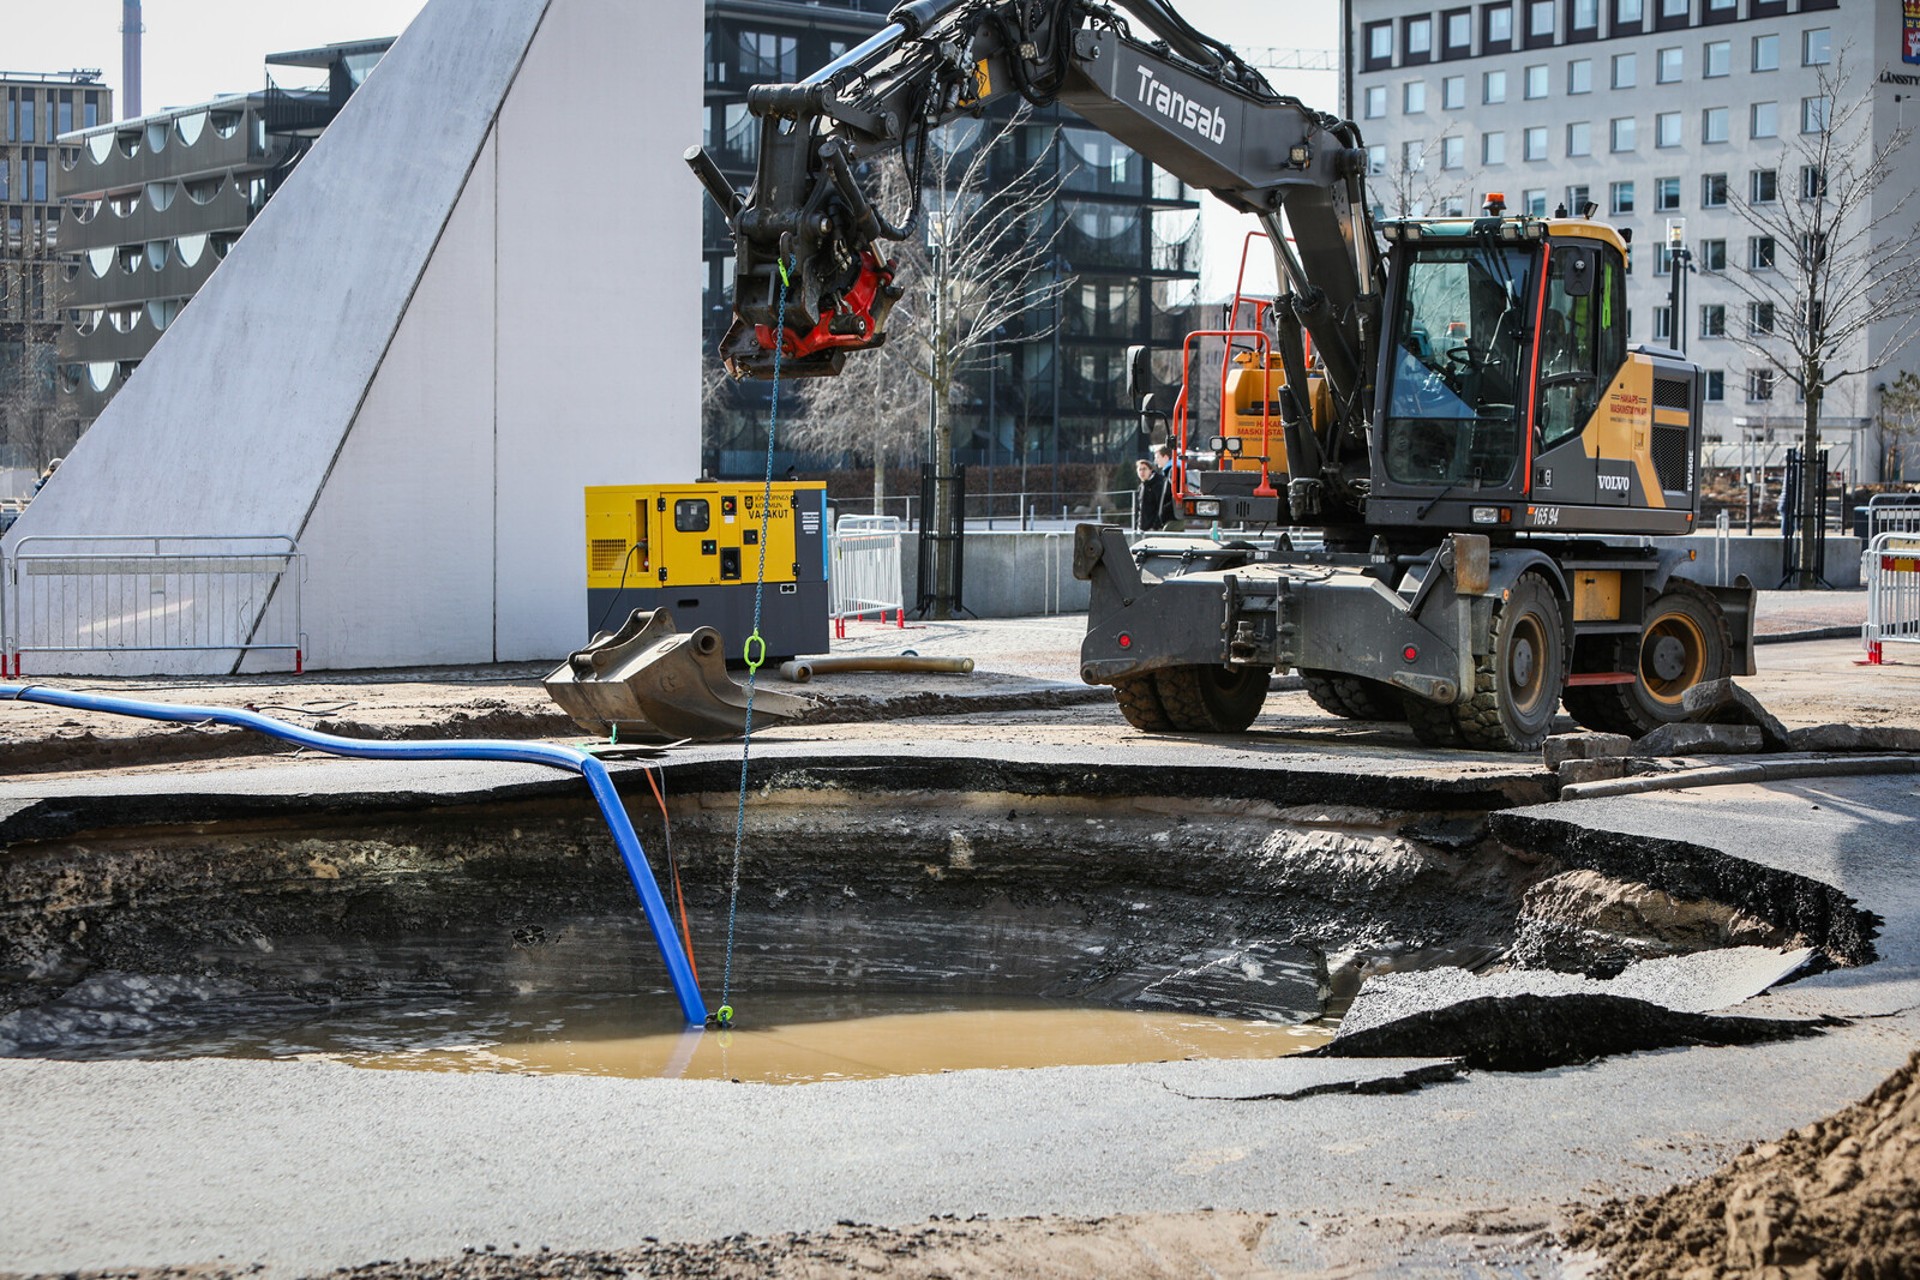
x=152 y=593
x=1891 y=570
x=864 y=570
x=1893 y=513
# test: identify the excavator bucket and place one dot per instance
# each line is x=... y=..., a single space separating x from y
x=648 y=680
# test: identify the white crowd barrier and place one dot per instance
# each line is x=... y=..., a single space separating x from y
x=1891 y=571
x=864 y=570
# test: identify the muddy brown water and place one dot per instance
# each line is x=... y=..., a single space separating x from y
x=778 y=1038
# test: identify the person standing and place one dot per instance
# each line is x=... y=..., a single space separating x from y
x=1152 y=500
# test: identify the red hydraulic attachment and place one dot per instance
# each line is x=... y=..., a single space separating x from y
x=850 y=326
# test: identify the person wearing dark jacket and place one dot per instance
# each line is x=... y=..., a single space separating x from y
x=1153 y=500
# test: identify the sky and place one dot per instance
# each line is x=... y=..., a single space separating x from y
x=197 y=49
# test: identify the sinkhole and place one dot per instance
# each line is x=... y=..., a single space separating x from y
x=880 y=929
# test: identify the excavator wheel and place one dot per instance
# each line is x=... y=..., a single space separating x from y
x=1140 y=703
x=1517 y=686
x=1355 y=697
x=1684 y=641
x=1431 y=723
x=1212 y=699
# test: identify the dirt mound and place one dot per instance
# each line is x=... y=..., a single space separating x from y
x=1837 y=1199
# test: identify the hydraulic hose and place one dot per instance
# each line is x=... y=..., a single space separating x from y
x=599 y=782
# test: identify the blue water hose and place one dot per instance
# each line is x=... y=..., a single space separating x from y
x=599 y=782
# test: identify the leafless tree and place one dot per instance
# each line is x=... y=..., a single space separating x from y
x=36 y=422
x=1832 y=255
x=1899 y=422
x=984 y=257
x=1416 y=183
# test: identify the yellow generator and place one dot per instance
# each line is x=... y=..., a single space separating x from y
x=694 y=550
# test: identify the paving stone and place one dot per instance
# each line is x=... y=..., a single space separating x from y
x=1724 y=702
x=1850 y=737
x=1605 y=769
x=1563 y=747
x=1689 y=739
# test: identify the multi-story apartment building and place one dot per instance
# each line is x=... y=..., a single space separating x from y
x=1659 y=112
x=154 y=203
x=1052 y=392
x=34 y=111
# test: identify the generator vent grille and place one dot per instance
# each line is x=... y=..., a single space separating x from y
x=604 y=554
x=1672 y=393
x=1672 y=448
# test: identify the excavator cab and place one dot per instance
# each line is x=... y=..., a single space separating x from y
x=1504 y=372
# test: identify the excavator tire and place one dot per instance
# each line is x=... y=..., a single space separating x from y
x=1212 y=699
x=1684 y=641
x=1517 y=686
x=1355 y=697
x=1140 y=703
x=1431 y=723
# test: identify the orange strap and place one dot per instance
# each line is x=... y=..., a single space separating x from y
x=686 y=934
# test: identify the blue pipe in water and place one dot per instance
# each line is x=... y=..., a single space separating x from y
x=558 y=757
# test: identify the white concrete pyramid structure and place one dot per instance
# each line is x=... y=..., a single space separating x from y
x=476 y=295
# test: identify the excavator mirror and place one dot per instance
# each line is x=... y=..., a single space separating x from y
x=1576 y=271
x=1139 y=374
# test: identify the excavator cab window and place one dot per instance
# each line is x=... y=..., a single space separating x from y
x=1581 y=338
x=1459 y=339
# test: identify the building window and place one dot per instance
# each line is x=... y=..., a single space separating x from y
x=1666 y=194
x=1493 y=87
x=1621 y=194
x=1580 y=75
x=1377 y=159
x=1816 y=47
x=1763 y=186
x=1538 y=82
x=1496 y=28
x=1717 y=60
x=1580 y=138
x=1379 y=44
x=1766 y=119
x=1815 y=113
x=1713 y=191
x=1669 y=64
x=1766 y=53
x=1453 y=93
x=1675 y=9
x=1578 y=198
x=1493 y=148
x=1534 y=203
x=1813 y=182
x=1721 y=10
x=1459 y=33
x=1540 y=20
x=1713 y=256
x=29 y=111
x=6 y=182
x=1419 y=38
x=38 y=188
x=1760 y=254
x=1663 y=324
x=91 y=113
x=1716 y=386
x=1622 y=134
x=1666 y=129
x=1625 y=70
x=765 y=56
x=1626 y=13
x=1413 y=97
x=1453 y=153
x=1663 y=259
x=1713 y=125
x=1759 y=385
x=1376 y=101
x=1713 y=320
x=1413 y=156
x=1536 y=144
